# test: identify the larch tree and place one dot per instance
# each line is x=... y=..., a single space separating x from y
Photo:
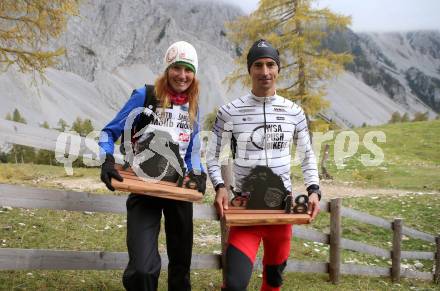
x=296 y=29
x=25 y=29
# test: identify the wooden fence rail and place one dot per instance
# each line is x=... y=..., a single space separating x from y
x=28 y=259
x=380 y=222
x=41 y=259
x=30 y=197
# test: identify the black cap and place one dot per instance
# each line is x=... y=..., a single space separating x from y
x=262 y=49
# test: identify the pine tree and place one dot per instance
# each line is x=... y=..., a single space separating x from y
x=19 y=153
x=87 y=127
x=82 y=127
x=296 y=29
x=62 y=125
x=26 y=27
x=16 y=116
x=45 y=125
x=3 y=157
x=395 y=117
x=420 y=116
x=45 y=157
x=405 y=117
x=77 y=125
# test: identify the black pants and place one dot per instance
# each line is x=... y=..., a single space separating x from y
x=143 y=225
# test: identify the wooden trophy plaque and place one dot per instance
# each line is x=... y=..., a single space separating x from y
x=169 y=190
x=240 y=216
x=267 y=202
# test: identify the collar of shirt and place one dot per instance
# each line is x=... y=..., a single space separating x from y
x=263 y=99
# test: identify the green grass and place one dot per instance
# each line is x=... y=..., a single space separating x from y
x=411 y=158
x=202 y=280
x=32 y=174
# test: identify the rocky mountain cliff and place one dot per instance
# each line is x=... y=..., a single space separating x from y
x=116 y=46
x=398 y=72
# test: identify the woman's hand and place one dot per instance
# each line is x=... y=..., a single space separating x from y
x=108 y=172
x=196 y=182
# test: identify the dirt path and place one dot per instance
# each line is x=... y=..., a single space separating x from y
x=333 y=190
x=330 y=189
x=79 y=184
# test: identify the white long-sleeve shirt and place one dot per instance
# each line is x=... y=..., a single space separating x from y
x=264 y=129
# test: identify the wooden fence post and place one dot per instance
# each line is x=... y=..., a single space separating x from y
x=396 y=252
x=437 y=261
x=224 y=230
x=335 y=240
x=226 y=171
x=324 y=172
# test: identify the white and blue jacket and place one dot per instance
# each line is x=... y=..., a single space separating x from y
x=174 y=120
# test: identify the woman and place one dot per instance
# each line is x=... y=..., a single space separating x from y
x=176 y=113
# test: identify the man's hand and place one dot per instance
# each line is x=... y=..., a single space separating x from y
x=313 y=206
x=221 y=201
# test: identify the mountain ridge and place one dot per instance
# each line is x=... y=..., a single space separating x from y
x=114 y=48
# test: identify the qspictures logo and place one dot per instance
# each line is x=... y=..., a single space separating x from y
x=70 y=146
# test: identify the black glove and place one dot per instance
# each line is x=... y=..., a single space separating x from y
x=314 y=189
x=108 y=172
x=197 y=182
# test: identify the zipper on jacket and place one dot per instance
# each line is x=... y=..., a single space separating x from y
x=265 y=137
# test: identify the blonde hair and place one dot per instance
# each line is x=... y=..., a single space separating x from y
x=161 y=91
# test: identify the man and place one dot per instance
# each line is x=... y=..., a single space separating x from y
x=261 y=127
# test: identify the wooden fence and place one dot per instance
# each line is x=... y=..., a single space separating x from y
x=28 y=197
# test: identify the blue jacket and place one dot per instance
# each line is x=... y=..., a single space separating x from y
x=176 y=122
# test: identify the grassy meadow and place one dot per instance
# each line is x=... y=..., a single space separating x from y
x=411 y=158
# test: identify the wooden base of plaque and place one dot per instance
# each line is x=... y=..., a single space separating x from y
x=168 y=190
x=240 y=216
